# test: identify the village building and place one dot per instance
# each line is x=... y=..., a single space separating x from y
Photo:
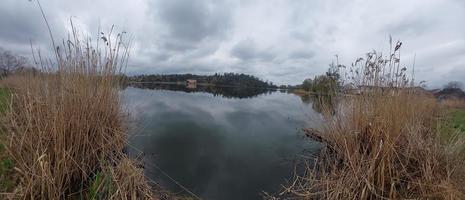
x=191 y=83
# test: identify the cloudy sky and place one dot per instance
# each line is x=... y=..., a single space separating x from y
x=276 y=40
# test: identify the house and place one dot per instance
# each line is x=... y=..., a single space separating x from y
x=191 y=83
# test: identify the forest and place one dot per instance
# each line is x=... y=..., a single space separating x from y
x=225 y=79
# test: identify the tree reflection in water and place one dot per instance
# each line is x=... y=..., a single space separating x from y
x=223 y=91
x=321 y=103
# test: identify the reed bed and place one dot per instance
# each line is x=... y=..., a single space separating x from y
x=64 y=128
x=384 y=143
x=454 y=103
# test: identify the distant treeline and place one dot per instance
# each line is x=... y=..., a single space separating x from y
x=226 y=92
x=226 y=79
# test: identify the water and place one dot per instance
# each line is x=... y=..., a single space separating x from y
x=220 y=145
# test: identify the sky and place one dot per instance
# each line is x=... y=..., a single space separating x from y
x=283 y=41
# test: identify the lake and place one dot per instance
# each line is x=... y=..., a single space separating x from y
x=220 y=143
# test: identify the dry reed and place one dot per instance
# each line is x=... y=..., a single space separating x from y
x=384 y=143
x=65 y=125
x=454 y=103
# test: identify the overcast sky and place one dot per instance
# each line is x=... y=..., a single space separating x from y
x=276 y=40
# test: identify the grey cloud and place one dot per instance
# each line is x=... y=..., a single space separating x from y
x=457 y=74
x=21 y=22
x=172 y=45
x=281 y=41
x=191 y=22
x=177 y=69
x=300 y=36
x=17 y=25
x=302 y=54
x=247 y=50
x=162 y=57
x=409 y=26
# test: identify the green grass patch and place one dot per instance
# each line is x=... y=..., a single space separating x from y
x=4 y=99
x=451 y=124
x=458 y=119
x=100 y=187
x=7 y=177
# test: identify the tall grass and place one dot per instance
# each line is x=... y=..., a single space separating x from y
x=65 y=125
x=454 y=103
x=384 y=143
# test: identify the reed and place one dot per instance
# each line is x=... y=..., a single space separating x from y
x=65 y=125
x=454 y=103
x=384 y=143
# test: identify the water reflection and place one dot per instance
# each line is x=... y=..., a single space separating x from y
x=227 y=92
x=321 y=103
x=219 y=148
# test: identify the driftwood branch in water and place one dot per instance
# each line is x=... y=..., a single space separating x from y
x=316 y=135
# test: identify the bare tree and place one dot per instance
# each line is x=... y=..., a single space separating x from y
x=10 y=62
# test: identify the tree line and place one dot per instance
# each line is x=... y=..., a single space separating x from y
x=10 y=62
x=225 y=79
x=328 y=83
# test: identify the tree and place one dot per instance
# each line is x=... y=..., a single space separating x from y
x=334 y=72
x=226 y=79
x=325 y=84
x=10 y=62
x=307 y=84
x=453 y=85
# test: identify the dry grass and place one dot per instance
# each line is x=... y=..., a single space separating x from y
x=121 y=180
x=454 y=103
x=386 y=148
x=65 y=125
x=385 y=144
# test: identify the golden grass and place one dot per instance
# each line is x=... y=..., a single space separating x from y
x=385 y=144
x=454 y=103
x=65 y=125
x=386 y=147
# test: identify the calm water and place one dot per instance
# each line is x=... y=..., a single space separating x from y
x=220 y=145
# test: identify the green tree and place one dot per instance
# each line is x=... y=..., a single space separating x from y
x=307 y=84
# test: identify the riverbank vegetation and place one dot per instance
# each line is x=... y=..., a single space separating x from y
x=328 y=84
x=388 y=142
x=63 y=129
